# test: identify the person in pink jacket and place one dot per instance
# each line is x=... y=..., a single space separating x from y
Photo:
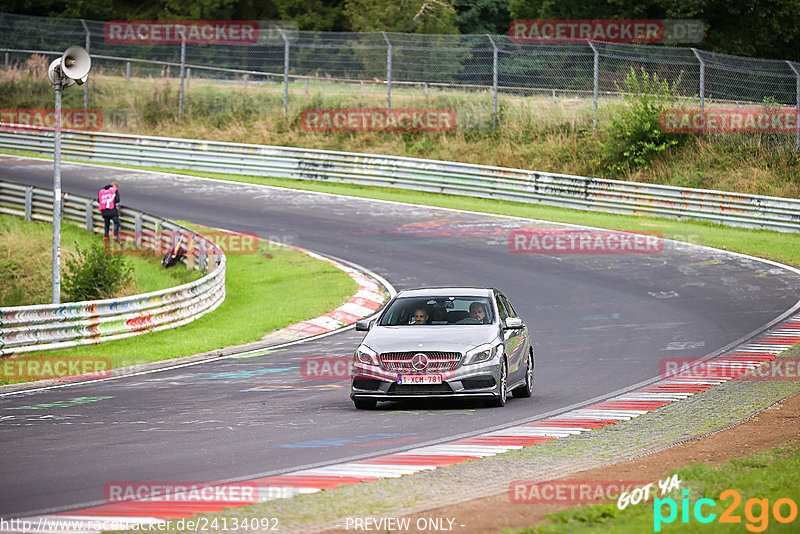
x=108 y=198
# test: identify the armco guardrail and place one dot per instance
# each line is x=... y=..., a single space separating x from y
x=52 y=326
x=614 y=196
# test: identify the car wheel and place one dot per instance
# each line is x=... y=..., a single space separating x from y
x=365 y=404
x=526 y=389
x=500 y=400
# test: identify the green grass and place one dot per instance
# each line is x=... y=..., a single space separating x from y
x=264 y=292
x=26 y=260
x=776 y=246
x=770 y=475
x=532 y=132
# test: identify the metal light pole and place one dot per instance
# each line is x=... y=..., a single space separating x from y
x=73 y=66
x=56 y=279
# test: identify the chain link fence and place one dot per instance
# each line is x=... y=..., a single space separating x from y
x=467 y=73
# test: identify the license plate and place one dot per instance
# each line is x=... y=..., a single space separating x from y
x=419 y=379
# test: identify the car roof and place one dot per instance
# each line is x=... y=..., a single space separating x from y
x=446 y=292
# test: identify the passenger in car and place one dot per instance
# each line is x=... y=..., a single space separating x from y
x=420 y=317
x=477 y=311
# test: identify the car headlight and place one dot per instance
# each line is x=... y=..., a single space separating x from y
x=364 y=354
x=480 y=354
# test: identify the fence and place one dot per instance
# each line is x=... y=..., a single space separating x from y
x=417 y=63
x=613 y=196
x=53 y=326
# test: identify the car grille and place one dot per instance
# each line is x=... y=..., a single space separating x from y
x=438 y=362
x=427 y=389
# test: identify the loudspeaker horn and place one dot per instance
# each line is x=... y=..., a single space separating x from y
x=76 y=62
x=54 y=74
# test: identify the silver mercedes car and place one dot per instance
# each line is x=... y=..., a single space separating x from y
x=443 y=342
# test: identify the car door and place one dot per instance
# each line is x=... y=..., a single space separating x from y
x=514 y=339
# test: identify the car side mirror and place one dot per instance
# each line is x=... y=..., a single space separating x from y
x=363 y=326
x=513 y=323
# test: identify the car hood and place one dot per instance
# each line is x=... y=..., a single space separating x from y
x=445 y=338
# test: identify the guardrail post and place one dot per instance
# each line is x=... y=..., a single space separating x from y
x=797 y=105
x=183 y=67
x=244 y=82
x=494 y=80
x=137 y=228
x=6 y=64
x=87 y=47
x=285 y=72
x=306 y=85
x=28 y=203
x=702 y=78
x=554 y=98
x=89 y=214
x=201 y=259
x=425 y=85
x=158 y=239
x=188 y=77
x=388 y=71
x=596 y=89
x=191 y=246
x=127 y=71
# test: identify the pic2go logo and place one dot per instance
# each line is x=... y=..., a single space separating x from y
x=784 y=511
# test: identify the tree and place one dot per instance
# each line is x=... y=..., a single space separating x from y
x=756 y=28
x=406 y=16
x=313 y=15
x=482 y=16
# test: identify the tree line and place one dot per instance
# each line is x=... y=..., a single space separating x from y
x=756 y=28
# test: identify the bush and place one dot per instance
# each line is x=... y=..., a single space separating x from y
x=95 y=274
x=633 y=136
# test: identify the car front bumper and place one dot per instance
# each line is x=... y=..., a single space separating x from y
x=479 y=380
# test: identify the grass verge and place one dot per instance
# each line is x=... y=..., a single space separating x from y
x=532 y=131
x=776 y=246
x=760 y=481
x=257 y=286
x=26 y=261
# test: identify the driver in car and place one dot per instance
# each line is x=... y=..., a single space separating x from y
x=478 y=312
x=420 y=317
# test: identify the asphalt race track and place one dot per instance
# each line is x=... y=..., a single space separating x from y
x=601 y=322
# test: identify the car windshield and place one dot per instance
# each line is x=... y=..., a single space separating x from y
x=438 y=311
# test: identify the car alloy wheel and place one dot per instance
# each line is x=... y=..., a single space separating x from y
x=500 y=400
x=526 y=389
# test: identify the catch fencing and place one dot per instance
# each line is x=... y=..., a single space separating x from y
x=54 y=326
x=414 y=64
x=483 y=181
